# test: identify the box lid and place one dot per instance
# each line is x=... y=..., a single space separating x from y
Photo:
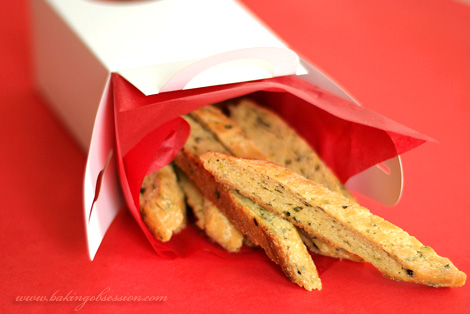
x=163 y=45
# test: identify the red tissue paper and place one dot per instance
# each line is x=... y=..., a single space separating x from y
x=150 y=132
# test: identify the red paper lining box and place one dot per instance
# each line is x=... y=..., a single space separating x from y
x=121 y=74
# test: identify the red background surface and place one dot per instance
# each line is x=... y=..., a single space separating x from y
x=408 y=60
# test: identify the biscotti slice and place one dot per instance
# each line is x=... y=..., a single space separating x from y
x=278 y=237
x=227 y=132
x=282 y=145
x=335 y=219
x=238 y=144
x=194 y=197
x=219 y=228
x=200 y=140
x=282 y=244
x=208 y=217
x=162 y=205
x=318 y=246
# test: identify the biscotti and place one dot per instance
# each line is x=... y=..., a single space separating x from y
x=282 y=144
x=335 y=219
x=238 y=144
x=227 y=132
x=162 y=205
x=220 y=229
x=278 y=237
x=208 y=217
x=321 y=247
x=194 y=198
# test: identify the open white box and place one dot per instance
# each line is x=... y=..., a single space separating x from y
x=158 y=46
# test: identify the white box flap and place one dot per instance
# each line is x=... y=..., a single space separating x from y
x=149 y=42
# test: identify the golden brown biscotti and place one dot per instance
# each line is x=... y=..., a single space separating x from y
x=318 y=246
x=208 y=216
x=282 y=145
x=227 y=132
x=194 y=197
x=162 y=205
x=335 y=219
x=200 y=140
x=278 y=238
x=238 y=144
x=220 y=229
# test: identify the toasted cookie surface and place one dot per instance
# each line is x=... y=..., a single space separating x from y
x=162 y=204
x=284 y=248
x=283 y=145
x=238 y=144
x=278 y=237
x=335 y=219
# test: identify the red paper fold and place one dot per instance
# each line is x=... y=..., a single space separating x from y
x=150 y=132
